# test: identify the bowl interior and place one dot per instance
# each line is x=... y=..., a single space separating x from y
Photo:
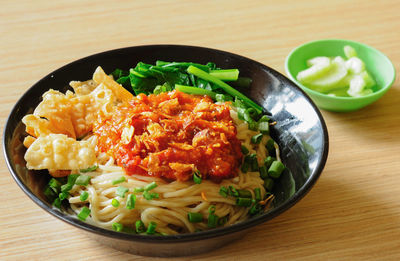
x=300 y=130
x=377 y=64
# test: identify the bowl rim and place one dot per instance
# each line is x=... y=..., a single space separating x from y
x=316 y=93
x=180 y=238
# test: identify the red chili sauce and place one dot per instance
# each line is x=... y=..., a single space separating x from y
x=170 y=135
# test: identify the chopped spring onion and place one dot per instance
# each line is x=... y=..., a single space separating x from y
x=84 y=213
x=222 y=221
x=233 y=192
x=117 y=226
x=151 y=229
x=223 y=191
x=256 y=139
x=121 y=191
x=57 y=203
x=212 y=221
x=139 y=226
x=264 y=118
x=136 y=190
x=268 y=184
x=90 y=169
x=245 y=150
x=130 y=201
x=244 y=193
x=219 y=97
x=255 y=209
x=257 y=194
x=211 y=209
x=244 y=202
x=55 y=185
x=72 y=178
x=245 y=167
x=150 y=186
x=254 y=162
x=271 y=148
x=263 y=127
x=195 y=90
x=206 y=76
x=268 y=161
x=197 y=177
x=82 y=180
x=149 y=196
x=63 y=195
x=276 y=169
x=119 y=180
x=115 y=203
x=66 y=187
x=195 y=217
x=49 y=193
x=263 y=172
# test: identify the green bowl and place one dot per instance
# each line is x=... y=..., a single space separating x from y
x=377 y=64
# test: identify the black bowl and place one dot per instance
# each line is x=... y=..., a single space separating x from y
x=300 y=132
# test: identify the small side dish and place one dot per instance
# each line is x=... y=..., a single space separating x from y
x=337 y=76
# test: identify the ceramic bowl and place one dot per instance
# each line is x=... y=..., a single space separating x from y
x=377 y=64
x=300 y=132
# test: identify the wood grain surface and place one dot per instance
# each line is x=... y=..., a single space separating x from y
x=352 y=213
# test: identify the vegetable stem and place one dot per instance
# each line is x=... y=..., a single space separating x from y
x=226 y=75
x=195 y=90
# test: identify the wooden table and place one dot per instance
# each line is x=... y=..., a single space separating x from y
x=353 y=212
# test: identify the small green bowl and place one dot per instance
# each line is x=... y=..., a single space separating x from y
x=377 y=64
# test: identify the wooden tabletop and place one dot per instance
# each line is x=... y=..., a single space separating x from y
x=352 y=213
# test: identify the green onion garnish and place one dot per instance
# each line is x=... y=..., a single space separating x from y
x=121 y=191
x=268 y=161
x=119 y=180
x=66 y=187
x=84 y=213
x=263 y=118
x=223 y=191
x=271 y=148
x=276 y=169
x=115 y=202
x=49 y=193
x=245 y=167
x=245 y=151
x=263 y=127
x=244 y=202
x=263 y=172
x=211 y=209
x=55 y=185
x=117 y=226
x=90 y=169
x=268 y=184
x=197 y=177
x=57 y=203
x=255 y=209
x=72 y=178
x=82 y=180
x=254 y=162
x=233 y=192
x=212 y=221
x=244 y=193
x=139 y=226
x=149 y=196
x=136 y=190
x=84 y=196
x=63 y=195
x=257 y=194
x=151 y=228
x=222 y=221
x=130 y=201
x=195 y=217
x=150 y=186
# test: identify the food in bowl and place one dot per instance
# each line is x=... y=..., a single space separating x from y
x=168 y=160
x=336 y=76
